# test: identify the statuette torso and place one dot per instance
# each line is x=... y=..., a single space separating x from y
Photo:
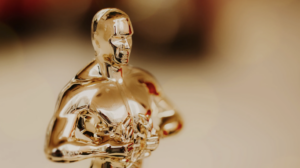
x=110 y=111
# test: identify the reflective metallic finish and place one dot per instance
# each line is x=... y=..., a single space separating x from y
x=110 y=111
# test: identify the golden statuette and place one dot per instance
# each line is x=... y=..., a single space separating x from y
x=110 y=111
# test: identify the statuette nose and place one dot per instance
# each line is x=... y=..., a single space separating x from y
x=126 y=44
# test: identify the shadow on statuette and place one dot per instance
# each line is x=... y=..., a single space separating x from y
x=110 y=111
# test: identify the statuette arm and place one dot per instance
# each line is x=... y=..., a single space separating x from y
x=170 y=122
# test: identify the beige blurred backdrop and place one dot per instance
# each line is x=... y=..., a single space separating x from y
x=231 y=67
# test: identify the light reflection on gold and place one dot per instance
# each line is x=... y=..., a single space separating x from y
x=105 y=112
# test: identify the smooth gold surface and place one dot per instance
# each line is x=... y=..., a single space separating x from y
x=110 y=111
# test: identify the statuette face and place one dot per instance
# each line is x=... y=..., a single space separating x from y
x=110 y=111
x=112 y=36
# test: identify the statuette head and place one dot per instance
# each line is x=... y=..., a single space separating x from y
x=112 y=36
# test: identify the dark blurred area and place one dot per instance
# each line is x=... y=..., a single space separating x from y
x=169 y=25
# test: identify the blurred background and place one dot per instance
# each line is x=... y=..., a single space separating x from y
x=230 y=66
